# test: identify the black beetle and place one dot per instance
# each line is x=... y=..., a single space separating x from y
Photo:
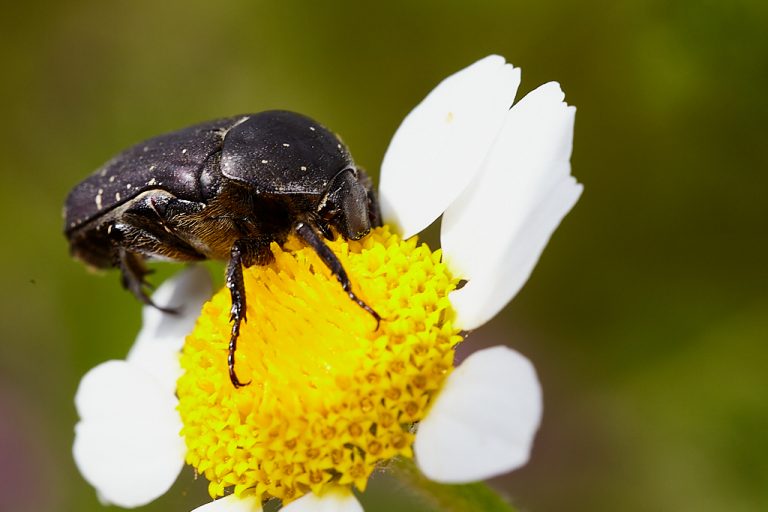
x=223 y=189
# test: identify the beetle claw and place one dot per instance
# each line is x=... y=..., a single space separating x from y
x=168 y=310
x=146 y=299
x=133 y=272
x=367 y=308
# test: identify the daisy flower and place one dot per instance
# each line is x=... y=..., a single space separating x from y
x=331 y=397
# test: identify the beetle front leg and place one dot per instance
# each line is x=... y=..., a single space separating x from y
x=244 y=252
x=237 y=313
x=308 y=234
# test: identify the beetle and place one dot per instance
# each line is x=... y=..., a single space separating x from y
x=224 y=189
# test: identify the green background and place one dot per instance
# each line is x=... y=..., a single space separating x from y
x=647 y=316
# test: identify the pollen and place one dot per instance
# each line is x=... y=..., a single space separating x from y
x=330 y=397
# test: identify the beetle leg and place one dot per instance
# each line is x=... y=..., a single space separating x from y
x=244 y=252
x=237 y=312
x=308 y=234
x=132 y=273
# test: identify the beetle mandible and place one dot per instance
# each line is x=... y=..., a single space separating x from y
x=224 y=189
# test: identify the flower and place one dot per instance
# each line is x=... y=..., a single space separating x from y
x=332 y=398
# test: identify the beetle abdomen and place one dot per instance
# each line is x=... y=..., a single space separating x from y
x=169 y=162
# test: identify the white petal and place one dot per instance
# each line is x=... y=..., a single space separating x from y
x=162 y=334
x=335 y=500
x=231 y=503
x=483 y=421
x=127 y=444
x=496 y=230
x=439 y=147
x=119 y=389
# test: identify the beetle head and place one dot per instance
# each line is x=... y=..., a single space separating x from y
x=349 y=205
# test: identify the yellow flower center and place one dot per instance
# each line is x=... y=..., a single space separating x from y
x=330 y=395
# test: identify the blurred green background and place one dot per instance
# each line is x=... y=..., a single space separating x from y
x=647 y=316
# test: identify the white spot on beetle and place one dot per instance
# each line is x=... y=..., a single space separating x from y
x=109 y=229
x=98 y=198
x=111 y=179
x=338 y=146
x=184 y=151
x=286 y=145
x=117 y=196
x=152 y=181
x=265 y=161
x=312 y=128
x=152 y=167
x=303 y=167
x=128 y=186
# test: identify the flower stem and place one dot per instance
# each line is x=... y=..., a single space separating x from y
x=448 y=498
